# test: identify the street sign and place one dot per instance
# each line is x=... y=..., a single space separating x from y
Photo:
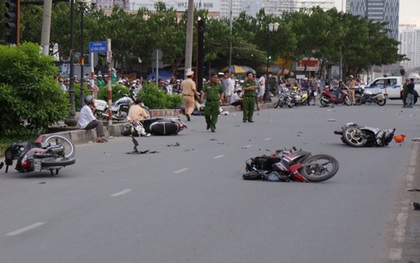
x=160 y=64
x=97 y=47
x=157 y=54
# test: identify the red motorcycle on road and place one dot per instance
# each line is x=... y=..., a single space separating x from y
x=330 y=96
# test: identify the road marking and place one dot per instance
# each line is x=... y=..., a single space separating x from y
x=267 y=139
x=23 y=230
x=123 y=192
x=181 y=170
x=217 y=157
x=395 y=253
x=246 y=146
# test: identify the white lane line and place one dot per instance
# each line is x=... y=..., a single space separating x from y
x=267 y=139
x=123 y=192
x=181 y=170
x=218 y=156
x=23 y=230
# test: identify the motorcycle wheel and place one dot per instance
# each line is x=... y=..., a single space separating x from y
x=381 y=102
x=69 y=150
x=149 y=115
x=358 y=100
x=323 y=101
x=347 y=101
x=319 y=168
x=277 y=104
x=291 y=104
x=354 y=136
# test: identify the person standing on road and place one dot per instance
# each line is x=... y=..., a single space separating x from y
x=410 y=94
x=230 y=88
x=225 y=84
x=261 y=88
x=404 y=92
x=87 y=120
x=248 y=101
x=189 y=92
x=213 y=92
x=351 y=84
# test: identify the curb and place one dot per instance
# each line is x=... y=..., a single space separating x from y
x=88 y=136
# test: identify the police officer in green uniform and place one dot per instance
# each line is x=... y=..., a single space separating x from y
x=248 y=102
x=213 y=91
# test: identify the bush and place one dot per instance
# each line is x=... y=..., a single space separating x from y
x=155 y=98
x=118 y=91
x=30 y=97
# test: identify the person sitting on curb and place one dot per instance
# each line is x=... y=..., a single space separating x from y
x=236 y=99
x=87 y=120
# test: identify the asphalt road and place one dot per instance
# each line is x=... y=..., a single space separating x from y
x=188 y=203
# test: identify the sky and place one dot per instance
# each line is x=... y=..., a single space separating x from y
x=409 y=11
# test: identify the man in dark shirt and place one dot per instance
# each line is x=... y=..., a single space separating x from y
x=410 y=94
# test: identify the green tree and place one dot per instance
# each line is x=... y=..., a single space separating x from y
x=30 y=97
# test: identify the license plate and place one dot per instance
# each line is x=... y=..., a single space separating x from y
x=37 y=166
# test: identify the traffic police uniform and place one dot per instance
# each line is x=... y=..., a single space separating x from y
x=213 y=91
x=248 y=102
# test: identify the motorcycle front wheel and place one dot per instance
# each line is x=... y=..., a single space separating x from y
x=347 y=101
x=354 y=136
x=324 y=101
x=381 y=102
x=69 y=150
x=319 y=168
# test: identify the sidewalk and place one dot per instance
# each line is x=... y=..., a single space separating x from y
x=82 y=136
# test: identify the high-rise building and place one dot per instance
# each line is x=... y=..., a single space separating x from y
x=410 y=46
x=379 y=11
x=277 y=7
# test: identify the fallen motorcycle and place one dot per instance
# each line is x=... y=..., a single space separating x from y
x=155 y=126
x=359 y=136
x=291 y=165
x=51 y=153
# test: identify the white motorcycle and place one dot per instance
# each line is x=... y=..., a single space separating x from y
x=119 y=108
x=365 y=96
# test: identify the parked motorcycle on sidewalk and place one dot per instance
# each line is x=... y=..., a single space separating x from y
x=51 y=153
x=285 y=99
x=330 y=96
x=364 y=96
x=359 y=136
x=120 y=108
x=291 y=165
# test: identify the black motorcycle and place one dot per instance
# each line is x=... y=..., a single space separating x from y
x=359 y=136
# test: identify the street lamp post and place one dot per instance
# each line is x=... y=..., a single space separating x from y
x=272 y=27
x=72 y=121
x=82 y=60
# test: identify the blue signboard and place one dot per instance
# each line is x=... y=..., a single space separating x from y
x=97 y=47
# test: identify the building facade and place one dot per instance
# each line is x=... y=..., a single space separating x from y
x=410 y=46
x=379 y=11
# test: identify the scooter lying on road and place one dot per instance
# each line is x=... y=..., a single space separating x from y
x=291 y=165
x=155 y=126
x=53 y=153
x=359 y=136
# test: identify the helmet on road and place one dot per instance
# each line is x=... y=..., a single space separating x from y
x=88 y=99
